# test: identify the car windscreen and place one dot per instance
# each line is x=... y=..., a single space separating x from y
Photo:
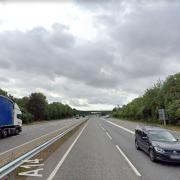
x=161 y=136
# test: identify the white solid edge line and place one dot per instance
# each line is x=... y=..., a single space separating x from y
x=109 y=135
x=103 y=129
x=52 y=175
x=132 y=132
x=128 y=161
x=33 y=140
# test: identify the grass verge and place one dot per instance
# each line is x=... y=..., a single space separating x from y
x=155 y=122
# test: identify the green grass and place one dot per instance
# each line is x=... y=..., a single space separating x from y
x=154 y=122
x=34 y=123
x=39 y=122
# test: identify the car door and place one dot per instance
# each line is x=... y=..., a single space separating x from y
x=145 y=142
x=139 y=134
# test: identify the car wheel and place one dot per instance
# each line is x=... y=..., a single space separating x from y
x=152 y=155
x=137 y=145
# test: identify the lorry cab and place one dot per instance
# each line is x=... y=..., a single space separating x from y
x=17 y=117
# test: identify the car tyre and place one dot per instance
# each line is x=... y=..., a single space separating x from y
x=137 y=145
x=152 y=155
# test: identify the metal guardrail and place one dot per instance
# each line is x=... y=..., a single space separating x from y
x=6 y=169
x=14 y=153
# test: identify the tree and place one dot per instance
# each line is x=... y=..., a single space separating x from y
x=164 y=95
x=37 y=105
x=173 y=110
x=57 y=110
x=3 y=93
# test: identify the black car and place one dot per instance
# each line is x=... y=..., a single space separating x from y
x=159 y=143
x=77 y=116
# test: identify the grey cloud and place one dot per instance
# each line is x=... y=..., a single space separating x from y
x=4 y=64
x=4 y=80
x=131 y=51
x=39 y=51
x=147 y=38
x=60 y=38
x=79 y=102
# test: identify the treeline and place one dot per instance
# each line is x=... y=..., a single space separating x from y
x=36 y=107
x=164 y=95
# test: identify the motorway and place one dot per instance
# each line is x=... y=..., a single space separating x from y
x=147 y=169
x=102 y=149
x=32 y=132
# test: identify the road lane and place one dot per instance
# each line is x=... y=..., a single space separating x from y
x=104 y=151
x=54 y=172
x=32 y=132
x=132 y=125
x=93 y=156
x=148 y=169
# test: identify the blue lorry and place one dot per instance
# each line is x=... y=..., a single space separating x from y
x=10 y=117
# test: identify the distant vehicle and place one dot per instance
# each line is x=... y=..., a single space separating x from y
x=10 y=117
x=77 y=116
x=159 y=143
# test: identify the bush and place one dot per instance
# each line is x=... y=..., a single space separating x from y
x=164 y=95
x=27 y=117
x=173 y=110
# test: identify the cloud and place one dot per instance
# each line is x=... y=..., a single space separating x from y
x=54 y=54
x=4 y=80
x=147 y=38
x=136 y=44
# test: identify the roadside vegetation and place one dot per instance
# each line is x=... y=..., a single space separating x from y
x=36 y=108
x=163 y=95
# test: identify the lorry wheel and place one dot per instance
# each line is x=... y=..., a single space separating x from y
x=17 y=131
x=4 y=133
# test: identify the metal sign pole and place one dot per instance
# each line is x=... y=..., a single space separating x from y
x=162 y=116
x=164 y=122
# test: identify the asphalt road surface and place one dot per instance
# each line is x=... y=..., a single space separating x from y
x=88 y=155
x=102 y=149
x=132 y=125
x=31 y=132
x=105 y=151
x=147 y=169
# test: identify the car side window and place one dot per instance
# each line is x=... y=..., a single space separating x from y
x=144 y=134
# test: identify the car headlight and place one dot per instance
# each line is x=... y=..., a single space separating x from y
x=159 y=150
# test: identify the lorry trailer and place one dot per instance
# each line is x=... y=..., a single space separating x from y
x=10 y=117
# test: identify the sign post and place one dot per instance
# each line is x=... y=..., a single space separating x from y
x=162 y=115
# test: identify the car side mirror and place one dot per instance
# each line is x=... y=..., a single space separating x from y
x=177 y=139
x=144 y=137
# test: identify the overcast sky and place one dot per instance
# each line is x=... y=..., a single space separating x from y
x=92 y=55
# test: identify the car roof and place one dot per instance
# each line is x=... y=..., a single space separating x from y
x=150 y=128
